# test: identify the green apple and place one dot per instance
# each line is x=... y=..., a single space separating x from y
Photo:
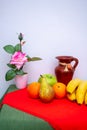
x=51 y=79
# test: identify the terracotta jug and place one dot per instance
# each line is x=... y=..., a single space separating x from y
x=65 y=70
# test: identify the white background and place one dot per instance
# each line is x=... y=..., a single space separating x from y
x=50 y=28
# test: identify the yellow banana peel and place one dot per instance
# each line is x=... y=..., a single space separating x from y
x=71 y=96
x=80 y=92
x=73 y=84
x=85 y=98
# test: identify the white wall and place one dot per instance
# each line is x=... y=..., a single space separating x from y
x=50 y=27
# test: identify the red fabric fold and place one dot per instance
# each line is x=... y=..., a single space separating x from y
x=60 y=113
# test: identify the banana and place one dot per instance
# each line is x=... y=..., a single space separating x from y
x=71 y=96
x=85 y=98
x=81 y=91
x=72 y=85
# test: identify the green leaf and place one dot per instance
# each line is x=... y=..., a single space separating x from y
x=33 y=58
x=9 y=49
x=11 y=66
x=20 y=72
x=18 y=47
x=10 y=75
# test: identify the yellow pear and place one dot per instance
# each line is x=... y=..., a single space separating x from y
x=46 y=92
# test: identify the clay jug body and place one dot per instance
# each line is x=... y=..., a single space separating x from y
x=65 y=70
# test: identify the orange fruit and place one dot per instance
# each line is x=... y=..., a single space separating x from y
x=59 y=89
x=33 y=89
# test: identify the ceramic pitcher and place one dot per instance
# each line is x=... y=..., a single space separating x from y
x=66 y=68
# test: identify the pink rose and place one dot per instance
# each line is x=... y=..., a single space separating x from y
x=18 y=59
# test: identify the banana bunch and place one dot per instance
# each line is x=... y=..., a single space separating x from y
x=77 y=91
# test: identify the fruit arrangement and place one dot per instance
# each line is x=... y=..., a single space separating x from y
x=77 y=91
x=46 y=88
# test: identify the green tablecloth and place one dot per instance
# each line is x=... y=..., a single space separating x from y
x=13 y=119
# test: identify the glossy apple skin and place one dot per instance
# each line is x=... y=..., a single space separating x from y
x=51 y=79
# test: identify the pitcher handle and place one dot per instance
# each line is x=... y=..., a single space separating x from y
x=76 y=62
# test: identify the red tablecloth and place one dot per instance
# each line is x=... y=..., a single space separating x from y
x=60 y=113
